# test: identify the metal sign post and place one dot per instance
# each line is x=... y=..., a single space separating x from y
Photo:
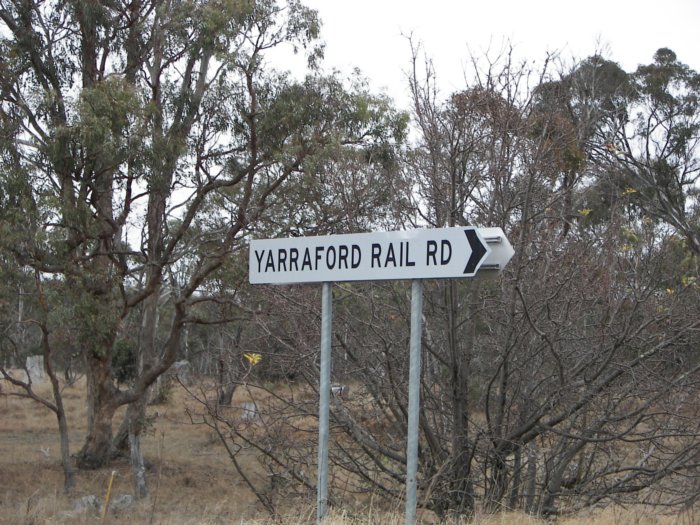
x=324 y=401
x=441 y=253
x=413 y=400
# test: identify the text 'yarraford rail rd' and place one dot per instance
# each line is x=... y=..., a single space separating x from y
x=414 y=254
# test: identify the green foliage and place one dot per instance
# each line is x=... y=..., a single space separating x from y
x=107 y=111
x=140 y=144
x=125 y=360
x=672 y=89
x=321 y=115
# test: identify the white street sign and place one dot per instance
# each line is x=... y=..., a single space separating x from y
x=414 y=254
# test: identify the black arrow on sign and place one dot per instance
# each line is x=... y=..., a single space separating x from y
x=478 y=251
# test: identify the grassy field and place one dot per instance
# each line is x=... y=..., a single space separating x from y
x=191 y=479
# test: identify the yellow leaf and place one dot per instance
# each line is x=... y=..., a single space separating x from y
x=252 y=358
x=629 y=190
x=585 y=211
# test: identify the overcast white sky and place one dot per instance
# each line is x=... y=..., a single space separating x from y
x=368 y=33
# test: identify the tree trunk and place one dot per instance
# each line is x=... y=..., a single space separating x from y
x=136 y=414
x=461 y=489
x=98 y=448
x=515 y=480
x=531 y=478
x=556 y=477
x=68 y=473
x=226 y=395
x=497 y=487
x=226 y=383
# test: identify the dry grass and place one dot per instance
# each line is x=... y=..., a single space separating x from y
x=191 y=480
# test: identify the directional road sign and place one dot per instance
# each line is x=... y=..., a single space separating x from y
x=439 y=253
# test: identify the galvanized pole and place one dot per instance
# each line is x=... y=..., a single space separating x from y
x=324 y=401
x=413 y=400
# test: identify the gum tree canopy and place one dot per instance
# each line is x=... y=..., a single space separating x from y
x=139 y=133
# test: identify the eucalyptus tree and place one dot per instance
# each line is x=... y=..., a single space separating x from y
x=640 y=130
x=127 y=127
x=653 y=146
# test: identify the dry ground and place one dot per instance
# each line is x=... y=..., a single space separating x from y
x=191 y=479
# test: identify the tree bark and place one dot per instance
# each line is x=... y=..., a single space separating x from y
x=531 y=478
x=68 y=472
x=136 y=413
x=98 y=448
x=460 y=475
